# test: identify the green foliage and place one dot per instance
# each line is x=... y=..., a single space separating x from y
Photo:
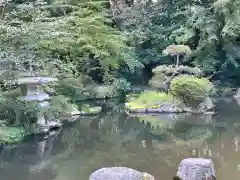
x=173 y=50
x=59 y=107
x=190 y=89
x=71 y=88
x=150 y=26
x=77 y=89
x=151 y=99
x=179 y=69
x=24 y=114
x=10 y=135
x=157 y=80
x=122 y=85
x=58 y=38
x=19 y=113
x=209 y=28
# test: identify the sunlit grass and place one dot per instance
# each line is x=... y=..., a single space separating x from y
x=151 y=99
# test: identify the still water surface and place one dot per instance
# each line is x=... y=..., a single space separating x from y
x=117 y=139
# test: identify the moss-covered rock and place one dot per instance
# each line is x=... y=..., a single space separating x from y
x=152 y=101
x=11 y=135
x=190 y=89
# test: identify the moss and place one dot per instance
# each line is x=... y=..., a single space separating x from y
x=157 y=80
x=191 y=89
x=11 y=135
x=151 y=99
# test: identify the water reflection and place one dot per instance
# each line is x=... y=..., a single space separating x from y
x=154 y=144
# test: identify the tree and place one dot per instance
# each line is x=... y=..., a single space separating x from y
x=74 y=38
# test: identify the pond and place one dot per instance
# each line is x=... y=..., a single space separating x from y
x=115 y=138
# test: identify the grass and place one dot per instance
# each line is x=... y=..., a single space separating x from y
x=151 y=99
x=11 y=135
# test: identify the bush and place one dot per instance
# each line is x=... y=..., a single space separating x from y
x=121 y=85
x=10 y=135
x=157 y=81
x=191 y=89
x=151 y=99
x=177 y=49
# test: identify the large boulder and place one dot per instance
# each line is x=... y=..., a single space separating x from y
x=119 y=173
x=196 y=169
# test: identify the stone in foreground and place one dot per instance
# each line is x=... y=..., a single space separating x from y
x=196 y=169
x=119 y=173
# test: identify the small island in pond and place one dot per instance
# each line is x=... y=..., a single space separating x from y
x=178 y=89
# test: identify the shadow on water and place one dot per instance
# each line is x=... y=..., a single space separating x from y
x=154 y=144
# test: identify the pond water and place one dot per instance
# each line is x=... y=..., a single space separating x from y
x=115 y=138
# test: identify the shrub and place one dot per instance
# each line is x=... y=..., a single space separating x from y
x=157 y=81
x=121 y=85
x=167 y=70
x=9 y=135
x=151 y=99
x=191 y=89
x=177 y=49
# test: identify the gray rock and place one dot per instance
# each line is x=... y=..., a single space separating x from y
x=206 y=105
x=237 y=95
x=186 y=109
x=196 y=169
x=153 y=110
x=119 y=173
x=167 y=107
x=138 y=110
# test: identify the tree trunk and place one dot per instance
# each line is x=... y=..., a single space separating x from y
x=177 y=60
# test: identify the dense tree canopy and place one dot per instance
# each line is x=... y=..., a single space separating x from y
x=74 y=37
x=100 y=39
x=210 y=28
